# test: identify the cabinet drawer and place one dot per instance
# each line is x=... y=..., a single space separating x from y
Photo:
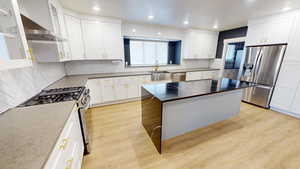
x=208 y=75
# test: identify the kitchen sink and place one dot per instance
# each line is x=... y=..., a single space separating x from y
x=160 y=75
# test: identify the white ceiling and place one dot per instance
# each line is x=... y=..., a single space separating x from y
x=200 y=13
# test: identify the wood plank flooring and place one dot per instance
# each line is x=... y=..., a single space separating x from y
x=256 y=139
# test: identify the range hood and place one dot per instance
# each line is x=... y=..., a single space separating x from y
x=35 y=32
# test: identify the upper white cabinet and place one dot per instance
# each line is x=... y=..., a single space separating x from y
x=53 y=51
x=102 y=40
x=14 y=51
x=286 y=94
x=74 y=35
x=93 y=39
x=270 y=30
x=200 y=44
x=112 y=41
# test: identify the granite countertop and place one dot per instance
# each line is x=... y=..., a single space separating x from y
x=28 y=134
x=186 y=89
x=81 y=80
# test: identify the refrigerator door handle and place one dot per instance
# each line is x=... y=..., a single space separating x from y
x=255 y=66
x=258 y=64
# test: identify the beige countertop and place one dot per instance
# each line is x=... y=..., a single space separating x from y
x=81 y=80
x=28 y=135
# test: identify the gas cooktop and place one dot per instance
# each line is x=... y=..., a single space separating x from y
x=55 y=95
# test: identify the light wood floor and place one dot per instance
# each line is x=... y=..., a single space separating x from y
x=256 y=139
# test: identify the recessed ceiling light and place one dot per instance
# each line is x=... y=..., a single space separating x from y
x=133 y=30
x=216 y=27
x=186 y=22
x=96 y=8
x=150 y=17
x=159 y=33
x=286 y=9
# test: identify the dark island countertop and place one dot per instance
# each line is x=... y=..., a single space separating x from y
x=181 y=90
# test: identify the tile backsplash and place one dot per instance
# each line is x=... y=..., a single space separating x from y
x=18 y=85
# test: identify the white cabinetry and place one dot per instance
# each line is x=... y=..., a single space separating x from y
x=93 y=40
x=286 y=94
x=199 y=75
x=53 y=51
x=116 y=89
x=14 y=51
x=112 y=41
x=295 y=108
x=68 y=151
x=200 y=44
x=270 y=30
x=102 y=40
x=74 y=34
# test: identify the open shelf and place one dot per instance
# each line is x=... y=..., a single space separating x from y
x=4 y=12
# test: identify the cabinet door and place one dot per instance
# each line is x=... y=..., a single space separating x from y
x=121 y=88
x=256 y=35
x=113 y=46
x=134 y=87
x=208 y=74
x=93 y=40
x=95 y=90
x=296 y=102
x=14 y=51
x=282 y=98
x=108 y=90
x=75 y=37
x=194 y=76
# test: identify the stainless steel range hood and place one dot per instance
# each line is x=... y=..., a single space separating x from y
x=35 y=32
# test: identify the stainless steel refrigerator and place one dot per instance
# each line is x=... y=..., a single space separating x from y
x=261 y=66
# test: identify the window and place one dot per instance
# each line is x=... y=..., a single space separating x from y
x=151 y=52
x=148 y=52
x=234 y=55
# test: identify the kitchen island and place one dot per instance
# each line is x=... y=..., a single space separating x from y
x=172 y=109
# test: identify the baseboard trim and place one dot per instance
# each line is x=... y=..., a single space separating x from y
x=285 y=112
x=115 y=102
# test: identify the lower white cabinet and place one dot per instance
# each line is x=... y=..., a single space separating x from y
x=201 y=75
x=295 y=108
x=107 y=90
x=68 y=151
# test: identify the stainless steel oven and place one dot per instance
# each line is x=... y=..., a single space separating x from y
x=83 y=105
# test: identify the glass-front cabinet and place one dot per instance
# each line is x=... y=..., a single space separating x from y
x=14 y=51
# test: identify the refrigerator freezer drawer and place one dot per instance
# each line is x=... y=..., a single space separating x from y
x=259 y=95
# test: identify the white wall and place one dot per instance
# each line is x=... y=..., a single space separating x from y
x=18 y=85
x=141 y=30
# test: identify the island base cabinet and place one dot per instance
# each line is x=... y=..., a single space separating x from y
x=68 y=151
x=182 y=116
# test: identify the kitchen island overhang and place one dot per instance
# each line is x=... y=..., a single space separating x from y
x=172 y=109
